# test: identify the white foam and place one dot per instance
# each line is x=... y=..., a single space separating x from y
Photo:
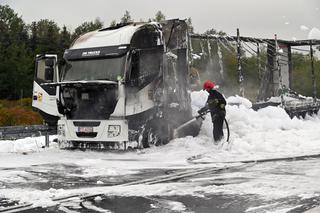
x=267 y=133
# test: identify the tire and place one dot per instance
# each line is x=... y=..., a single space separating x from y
x=156 y=133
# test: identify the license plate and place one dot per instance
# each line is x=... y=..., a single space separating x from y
x=85 y=129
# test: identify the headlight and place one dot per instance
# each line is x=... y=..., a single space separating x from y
x=61 y=130
x=114 y=130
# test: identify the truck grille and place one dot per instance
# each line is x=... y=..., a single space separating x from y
x=87 y=134
x=86 y=123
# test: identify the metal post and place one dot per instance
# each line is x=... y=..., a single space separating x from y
x=47 y=139
x=279 y=69
x=209 y=54
x=290 y=66
x=219 y=52
x=313 y=74
x=190 y=50
x=201 y=46
x=240 y=79
x=259 y=62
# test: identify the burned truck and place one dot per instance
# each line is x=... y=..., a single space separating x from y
x=118 y=87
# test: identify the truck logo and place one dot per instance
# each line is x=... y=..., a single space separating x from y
x=39 y=96
x=90 y=53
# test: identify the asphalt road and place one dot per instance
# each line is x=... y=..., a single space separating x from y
x=280 y=186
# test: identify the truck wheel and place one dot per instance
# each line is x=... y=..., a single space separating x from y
x=156 y=133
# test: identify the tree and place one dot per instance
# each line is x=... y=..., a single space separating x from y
x=87 y=27
x=15 y=61
x=126 y=18
x=33 y=36
x=45 y=36
x=113 y=23
x=159 y=16
x=64 y=41
x=213 y=31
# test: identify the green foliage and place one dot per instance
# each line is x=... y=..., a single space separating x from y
x=209 y=65
x=20 y=43
x=64 y=40
x=46 y=37
x=14 y=54
x=302 y=76
x=251 y=75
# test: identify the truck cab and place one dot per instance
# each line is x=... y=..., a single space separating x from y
x=119 y=86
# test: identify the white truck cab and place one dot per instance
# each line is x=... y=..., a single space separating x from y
x=117 y=85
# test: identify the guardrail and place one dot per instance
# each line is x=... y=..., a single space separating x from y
x=17 y=132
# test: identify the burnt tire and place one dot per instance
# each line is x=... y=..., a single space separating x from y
x=156 y=133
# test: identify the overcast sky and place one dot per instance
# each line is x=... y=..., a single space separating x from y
x=259 y=18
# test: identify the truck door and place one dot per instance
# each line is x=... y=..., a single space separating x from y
x=44 y=96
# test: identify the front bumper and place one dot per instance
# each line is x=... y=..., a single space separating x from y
x=93 y=130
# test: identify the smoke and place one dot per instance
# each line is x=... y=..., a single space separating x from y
x=228 y=84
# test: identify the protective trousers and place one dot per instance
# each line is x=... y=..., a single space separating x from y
x=217 y=120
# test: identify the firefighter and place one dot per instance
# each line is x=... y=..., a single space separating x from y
x=216 y=106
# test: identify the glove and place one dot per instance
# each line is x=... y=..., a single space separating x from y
x=202 y=110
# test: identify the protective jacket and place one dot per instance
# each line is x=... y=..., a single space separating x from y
x=216 y=105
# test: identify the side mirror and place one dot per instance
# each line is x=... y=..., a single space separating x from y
x=48 y=74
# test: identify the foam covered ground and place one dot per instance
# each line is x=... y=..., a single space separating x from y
x=263 y=134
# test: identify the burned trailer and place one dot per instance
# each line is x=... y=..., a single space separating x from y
x=119 y=86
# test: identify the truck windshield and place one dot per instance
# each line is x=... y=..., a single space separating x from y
x=94 y=69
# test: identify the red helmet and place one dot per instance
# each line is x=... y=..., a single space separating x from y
x=208 y=85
